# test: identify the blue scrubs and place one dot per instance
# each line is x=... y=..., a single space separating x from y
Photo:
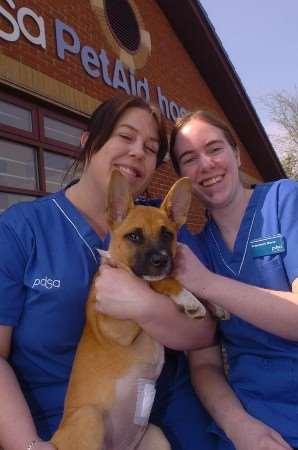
x=263 y=368
x=177 y=409
x=47 y=260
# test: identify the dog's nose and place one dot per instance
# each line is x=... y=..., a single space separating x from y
x=159 y=259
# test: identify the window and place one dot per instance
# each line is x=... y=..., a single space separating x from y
x=18 y=165
x=55 y=129
x=37 y=147
x=56 y=167
x=7 y=199
x=21 y=118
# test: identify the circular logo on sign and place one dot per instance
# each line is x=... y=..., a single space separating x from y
x=123 y=27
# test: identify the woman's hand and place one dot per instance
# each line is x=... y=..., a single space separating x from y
x=124 y=296
x=121 y=294
x=253 y=434
x=189 y=270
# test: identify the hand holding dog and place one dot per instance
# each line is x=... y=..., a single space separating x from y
x=191 y=273
x=122 y=295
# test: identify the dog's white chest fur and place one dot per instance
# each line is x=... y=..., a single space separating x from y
x=134 y=395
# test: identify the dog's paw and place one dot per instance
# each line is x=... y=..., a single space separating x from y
x=106 y=258
x=189 y=303
x=104 y=254
x=219 y=312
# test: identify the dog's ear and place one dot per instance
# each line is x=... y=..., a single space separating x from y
x=177 y=201
x=119 y=200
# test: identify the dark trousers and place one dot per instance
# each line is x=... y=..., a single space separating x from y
x=177 y=410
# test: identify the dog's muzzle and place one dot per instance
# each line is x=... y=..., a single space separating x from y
x=157 y=263
x=159 y=260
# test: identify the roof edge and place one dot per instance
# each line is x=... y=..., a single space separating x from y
x=191 y=23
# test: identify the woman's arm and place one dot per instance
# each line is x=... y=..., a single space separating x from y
x=132 y=298
x=17 y=429
x=273 y=311
x=242 y=429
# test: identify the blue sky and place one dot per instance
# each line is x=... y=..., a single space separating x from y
x=261 y=39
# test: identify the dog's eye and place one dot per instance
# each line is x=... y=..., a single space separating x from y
x=166 y=234
x=135 y=236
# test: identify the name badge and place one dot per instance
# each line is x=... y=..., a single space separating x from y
x=267 y=246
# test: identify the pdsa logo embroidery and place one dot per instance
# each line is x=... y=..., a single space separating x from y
x=46 y=282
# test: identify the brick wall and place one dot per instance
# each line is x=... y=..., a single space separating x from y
x=168 y=66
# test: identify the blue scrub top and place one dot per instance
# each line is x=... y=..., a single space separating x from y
x=47 y=261
x=263 y=368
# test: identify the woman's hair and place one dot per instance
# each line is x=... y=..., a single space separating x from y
x=205 y=116
x=104 y=119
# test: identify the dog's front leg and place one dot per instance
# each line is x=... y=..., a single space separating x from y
x=82 y=429
x=153 y=439
x=123 y=332
x=181 y=296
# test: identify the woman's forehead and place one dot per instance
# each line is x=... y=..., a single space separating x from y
x=200 y=132
x=198 y=126
x=134 y=115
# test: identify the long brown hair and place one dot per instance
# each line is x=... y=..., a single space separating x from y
x=205 y=116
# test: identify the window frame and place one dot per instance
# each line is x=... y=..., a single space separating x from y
x=42 y=112
x=22 y=104
x=37 y=138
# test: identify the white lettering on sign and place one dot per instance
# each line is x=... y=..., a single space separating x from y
x=95 y=63
x=18 y=25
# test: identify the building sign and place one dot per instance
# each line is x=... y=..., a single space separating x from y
x=95 y=62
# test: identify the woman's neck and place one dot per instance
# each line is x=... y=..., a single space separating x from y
x=228 y=219
x=91 y=204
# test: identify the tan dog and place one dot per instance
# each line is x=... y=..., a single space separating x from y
x=111 y=389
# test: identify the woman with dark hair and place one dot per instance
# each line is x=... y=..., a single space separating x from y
x=248 y=250
x=47 y=261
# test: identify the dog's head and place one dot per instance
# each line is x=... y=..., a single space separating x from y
x=143 y=238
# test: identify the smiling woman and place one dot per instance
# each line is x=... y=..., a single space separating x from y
x=124 y=133
x=47 y=295
x=47 y=261
x=249 y=252
x=208 y=155
x=132 y=147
